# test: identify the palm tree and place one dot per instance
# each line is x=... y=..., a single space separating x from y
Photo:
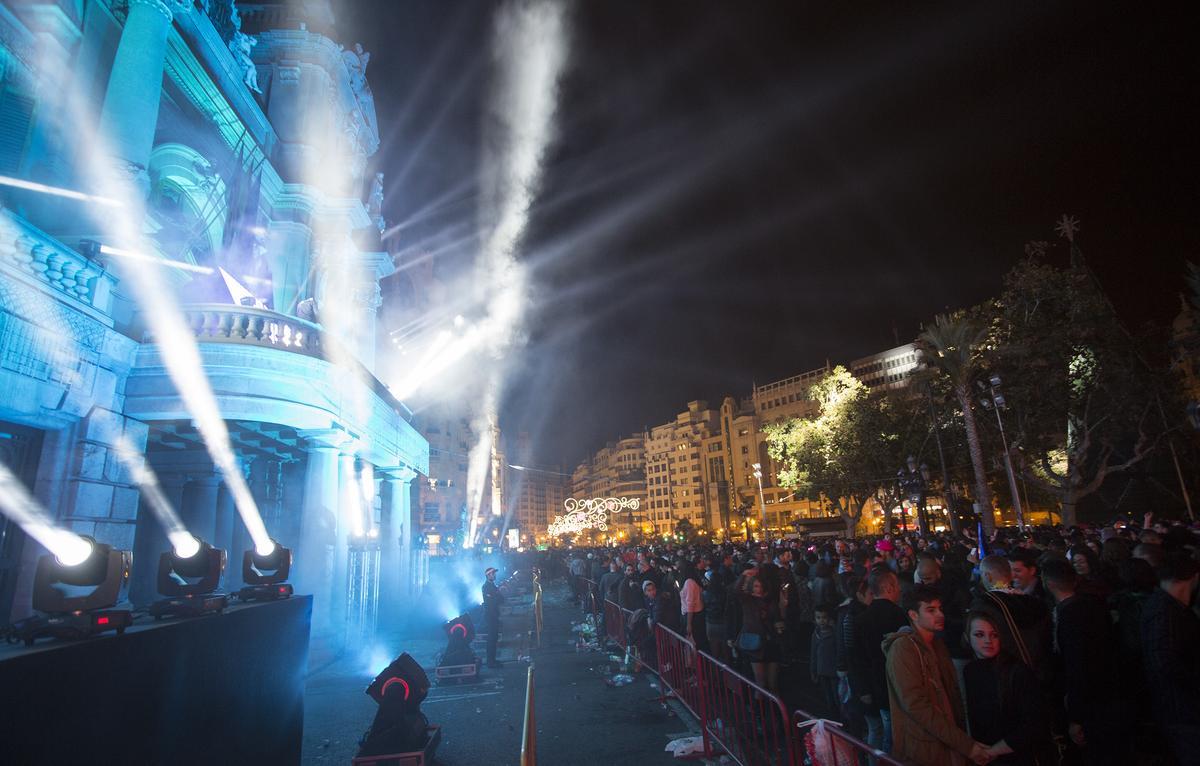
x=948 y=347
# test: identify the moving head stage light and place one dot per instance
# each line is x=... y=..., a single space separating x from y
x=265 y=576
x=400 y=733
x=190 y=583
x=68 y=608
x=458 y=662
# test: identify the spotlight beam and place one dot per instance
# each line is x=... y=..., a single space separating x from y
x=16 y=503
x=183 y=541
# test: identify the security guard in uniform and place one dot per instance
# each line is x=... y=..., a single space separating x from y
x=493 y=599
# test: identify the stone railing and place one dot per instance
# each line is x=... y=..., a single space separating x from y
x=30 y=254
x=225 y=323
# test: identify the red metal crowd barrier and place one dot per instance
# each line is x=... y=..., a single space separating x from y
x=614 y=622
x=737 y=716
x=681 y=673
x=827 y=744
x=748 y=722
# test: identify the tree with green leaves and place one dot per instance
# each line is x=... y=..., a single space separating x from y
x=1082 y=397
x=850 y=450
x=950 y=346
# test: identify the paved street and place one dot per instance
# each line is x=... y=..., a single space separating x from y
x=581 y=719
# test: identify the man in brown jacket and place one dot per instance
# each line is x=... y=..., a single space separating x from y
x=929 y=725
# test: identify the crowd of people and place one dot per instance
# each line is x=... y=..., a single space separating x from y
x=1042 y=646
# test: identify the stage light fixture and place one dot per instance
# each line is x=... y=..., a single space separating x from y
x=399 y=727
x=458 y=661
x=266 y=575
x=189 y=582
x=77 y=600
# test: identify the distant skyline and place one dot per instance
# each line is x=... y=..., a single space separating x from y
x=738 y=195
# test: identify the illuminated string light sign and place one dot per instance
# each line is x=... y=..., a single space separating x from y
x=591 y=513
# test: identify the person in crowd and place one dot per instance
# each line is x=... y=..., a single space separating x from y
x=714 y=614
x=1091 y=576
x=1025 y=623
x=1023 y=563
x=1085 y=649
x=611 y=580
x=858 y=597
x=493 y=599
x=577 y=568
x=867 y=662
x=822 y=659
x=761 y=630
x=824 y=589
x=691 y=605
x=1171 y=649
x=929 y=724
x=1005 y=705
x=629 y=591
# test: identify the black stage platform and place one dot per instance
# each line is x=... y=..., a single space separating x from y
x=223 y=689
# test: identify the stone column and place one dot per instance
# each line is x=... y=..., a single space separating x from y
x=223 y=526
x=349 y=502
x=130 y=113
x=199 y=509
x=151 y=542
x=395 y=540
x=313 y=564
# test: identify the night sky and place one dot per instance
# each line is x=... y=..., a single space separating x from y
x=740 y=191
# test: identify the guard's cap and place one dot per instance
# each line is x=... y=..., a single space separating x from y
x=488 y=571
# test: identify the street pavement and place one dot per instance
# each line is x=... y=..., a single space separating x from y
x=581 y=718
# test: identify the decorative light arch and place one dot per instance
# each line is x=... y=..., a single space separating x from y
x=590 y=513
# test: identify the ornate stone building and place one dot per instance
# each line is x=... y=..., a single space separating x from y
x=249 y=130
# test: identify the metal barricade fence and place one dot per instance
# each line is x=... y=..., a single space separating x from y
x=827 y=744
x=748 y=722
x=680 y=673
x=614 y=623
x=591 y=599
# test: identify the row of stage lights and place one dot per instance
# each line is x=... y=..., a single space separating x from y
x=79 y=598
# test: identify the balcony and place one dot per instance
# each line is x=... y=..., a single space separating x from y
x=225 y=323
x=29 y=256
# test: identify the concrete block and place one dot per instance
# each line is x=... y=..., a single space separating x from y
x=82 y=527
x=103 y=426
x=115 y=470
x=88 y=499
x=90 y=462
x=104 y=387
x=136 y=433
x=118 y=534
x=125 y=503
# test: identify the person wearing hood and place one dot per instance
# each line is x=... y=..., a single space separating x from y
x=929 y=724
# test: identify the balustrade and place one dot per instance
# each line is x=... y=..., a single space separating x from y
x=222 y=323
x=35 y=255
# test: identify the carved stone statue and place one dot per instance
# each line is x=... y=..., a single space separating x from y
x=241 y=45
x=375 y=202
x=356 y=62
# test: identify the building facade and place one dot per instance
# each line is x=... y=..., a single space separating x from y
x=246 y=133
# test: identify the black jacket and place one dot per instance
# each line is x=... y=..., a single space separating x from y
x=1004 y=702
x=1086 y=655
x=868 y=665
x=1033 y=621
x=844 y=626
x=1171 y=651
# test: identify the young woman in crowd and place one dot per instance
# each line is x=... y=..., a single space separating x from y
x=1005 y=706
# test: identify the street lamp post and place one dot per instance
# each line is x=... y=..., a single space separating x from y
x=913 y=481
x=762 y=503
x=994 y=400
